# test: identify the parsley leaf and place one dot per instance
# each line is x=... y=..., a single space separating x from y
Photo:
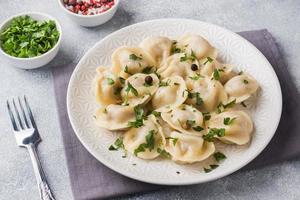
x=214 y=132
x=150 y=143
x=156 y=114
x=122 y=80
x=212 y=167
x=139 y=118
x=206 y=116
x=174 y=140
x=163 y=153
x=147 y=70
x=228 y=121
x=164 y=83
x=130 y=88
x=245 y=81
x=134 y=57
x=219 y=156
x=126 y=70
x=208 y=59
x=198 y=128
x=117 y=145
x=110 y=81
x=174 y=48
x=195 y=77
x=216 y=74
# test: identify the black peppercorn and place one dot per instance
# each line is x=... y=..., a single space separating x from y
x=194 y=67
x=148 y=80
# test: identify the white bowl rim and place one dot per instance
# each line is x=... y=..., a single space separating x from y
x=29 y=13
x=89 y=16
x=133 y=176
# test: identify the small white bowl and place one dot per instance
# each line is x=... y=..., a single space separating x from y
x=91 y=20
x=38 y=61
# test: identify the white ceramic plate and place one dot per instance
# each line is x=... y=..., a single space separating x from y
x=234 y=49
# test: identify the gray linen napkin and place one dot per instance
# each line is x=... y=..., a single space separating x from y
x=92 y=180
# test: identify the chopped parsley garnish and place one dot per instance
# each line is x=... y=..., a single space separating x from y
x=134 y=57
x=163 y=153
x=221 y=107
x=150 y=142
x=164 y=83
x=193 y=56
x=219 y=156
x=212 y=167
x=147 y=70
x=131 y=89
x=214 y=132
x=139 y=118
x=174 y=48
x=174 y=140
x=122 y=80
x=206 y=116
x=195 y=77
x=245 y=81
x=156 y=114
x=198 y=128
x=186 y=57
x=190 y=123
x=191 y=95
x=208 y=59
x=216 y=74
x=176 y=84
x=110 y=81
x=117 y=145
x=26 y=37
x=240 y=73
x=126 y=70
x=228 y=121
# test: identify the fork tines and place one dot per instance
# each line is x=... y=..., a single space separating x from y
x=14 y=110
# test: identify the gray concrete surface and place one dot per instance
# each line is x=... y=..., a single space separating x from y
x=17 y=180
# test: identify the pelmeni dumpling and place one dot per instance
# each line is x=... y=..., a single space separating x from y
x=144 y=141
x=209 y=65
x=185 y=119
x=158 y=47
x=171 y=93
x=178 y=64
x=205 y=93
x=137 y=91
x=106 y=87
x=115 y=117
x=241 y=87
x=188 y=148
x=130 y=60
x=238 y=126
x=198 y=45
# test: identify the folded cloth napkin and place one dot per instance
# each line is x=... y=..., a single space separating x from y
x=92 y=180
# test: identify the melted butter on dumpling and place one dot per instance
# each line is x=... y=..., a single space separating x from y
x=241 y=87
x=158 y=47
x=136 y=91
x=188 y=148
x=178 y=64
x=185 y=119
x=106 y=87
x=238 y=126
x=115 y=117
x=171 y=93
x=197 y=44
x=130 y=60
x=144 y=141
x=205 y=93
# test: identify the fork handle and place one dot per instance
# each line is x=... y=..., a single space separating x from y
x=44 y=189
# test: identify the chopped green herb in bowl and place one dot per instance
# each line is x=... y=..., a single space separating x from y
x=26 y=37
x=30 y=40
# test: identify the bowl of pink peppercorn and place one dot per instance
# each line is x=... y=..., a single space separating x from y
x=89 y=13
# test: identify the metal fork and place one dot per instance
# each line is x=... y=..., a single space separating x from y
x=27 y=136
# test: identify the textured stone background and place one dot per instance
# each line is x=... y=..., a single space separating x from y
x=17 y=180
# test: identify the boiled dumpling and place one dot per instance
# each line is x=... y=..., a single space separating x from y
x=107 y=87
x=171 y=93
x=241 y=87
x=188 y=148
x=210 y=65
x=178 y=64
x=144 y=141
x=197 y=44
x=139 y=89
x=115 y=117
x=205 y=93
x=238 y=126
x=130 y=60
x=185 y=119
x=158 y=47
